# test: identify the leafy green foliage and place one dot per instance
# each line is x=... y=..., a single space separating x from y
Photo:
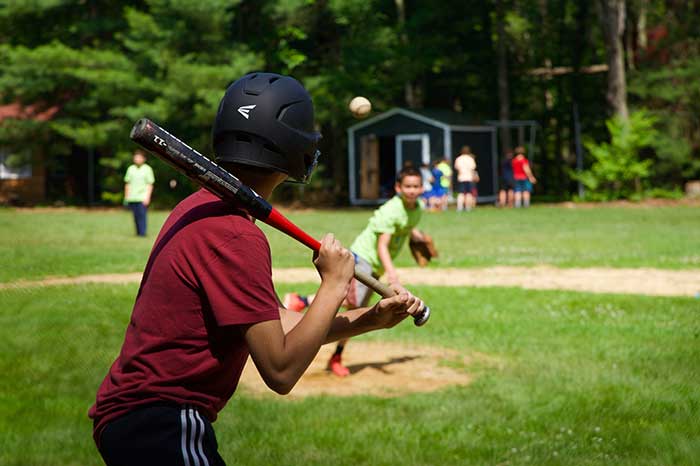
x=104 y=64
x=617 y=171
x=170 y=62
x=672 y=93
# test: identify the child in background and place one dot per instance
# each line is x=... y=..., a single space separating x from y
x=445 y=182
x=523 y=176
x=467 y=178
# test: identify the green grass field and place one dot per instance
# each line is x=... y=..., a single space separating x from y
x=570 y=378
x=75 y=242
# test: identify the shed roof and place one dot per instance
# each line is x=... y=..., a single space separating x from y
x=443 y=115
x=439 y=117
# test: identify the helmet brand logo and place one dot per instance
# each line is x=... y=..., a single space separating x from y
x=245 y=110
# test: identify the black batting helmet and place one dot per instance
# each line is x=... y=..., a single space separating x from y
x=267 y=120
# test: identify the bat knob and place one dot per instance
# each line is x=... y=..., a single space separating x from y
x=422 y=318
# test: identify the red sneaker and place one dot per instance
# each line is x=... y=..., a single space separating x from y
x=293 y=302
x=335 y=366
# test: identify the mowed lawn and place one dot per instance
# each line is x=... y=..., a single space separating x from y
x=69 y=242
x=559 y=378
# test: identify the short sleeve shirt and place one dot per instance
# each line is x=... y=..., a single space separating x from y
x=465 y=166
x=519 y=164
x=208 y=273
x=507 y=169
x=138 y=179
x=447 y=174
x=394 y=218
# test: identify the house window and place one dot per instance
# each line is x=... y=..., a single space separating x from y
x=12 y=170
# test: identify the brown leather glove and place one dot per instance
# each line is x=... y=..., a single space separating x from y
x=423 y=249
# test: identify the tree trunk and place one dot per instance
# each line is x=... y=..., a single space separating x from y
x=612 y=18
x=642 y=27
x=503 y=97
x=413 y=93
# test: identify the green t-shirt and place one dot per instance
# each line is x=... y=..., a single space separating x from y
x=447 y=174
x=138 y=179
x=392 y=218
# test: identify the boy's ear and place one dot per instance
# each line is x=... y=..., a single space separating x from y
x=397 y=187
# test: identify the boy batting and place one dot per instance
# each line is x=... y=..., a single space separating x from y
x=206 y=300
x=375 y=249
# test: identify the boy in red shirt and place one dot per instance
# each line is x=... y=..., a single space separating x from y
x=207 y=301
x=522 y=174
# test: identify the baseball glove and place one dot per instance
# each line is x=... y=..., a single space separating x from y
x=422 y=249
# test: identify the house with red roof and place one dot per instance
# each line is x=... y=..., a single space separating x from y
x=24 y=184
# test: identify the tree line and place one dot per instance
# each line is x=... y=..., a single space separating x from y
x=610 y=82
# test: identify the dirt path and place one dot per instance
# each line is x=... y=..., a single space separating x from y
x=644 y=281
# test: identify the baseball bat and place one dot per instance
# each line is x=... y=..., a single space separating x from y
x=223 y=184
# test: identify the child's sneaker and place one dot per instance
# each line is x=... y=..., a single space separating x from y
x=335 y=366
x=293 y=302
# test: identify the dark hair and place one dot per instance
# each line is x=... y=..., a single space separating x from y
x=519 y=150
x=466 y=150
x=407 y=171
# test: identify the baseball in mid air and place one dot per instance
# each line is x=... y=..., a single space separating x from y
x=360 y=107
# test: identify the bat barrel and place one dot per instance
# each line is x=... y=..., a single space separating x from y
x=198 y=168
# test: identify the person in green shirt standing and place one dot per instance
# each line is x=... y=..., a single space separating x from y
x=138 y=187
x=375 y=248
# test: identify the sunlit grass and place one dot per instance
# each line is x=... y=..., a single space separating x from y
x=575 y=379
x=35 y=244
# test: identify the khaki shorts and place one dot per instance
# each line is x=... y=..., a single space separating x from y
x=359 y=294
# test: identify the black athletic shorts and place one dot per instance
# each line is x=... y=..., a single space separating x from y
x=160 y=434
x=507 y=184
x=465 y=187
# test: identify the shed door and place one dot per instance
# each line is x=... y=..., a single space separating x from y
x=414 y=148
x=369 y=167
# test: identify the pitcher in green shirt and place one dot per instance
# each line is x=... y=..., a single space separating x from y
x=138 y=187
x=389 y=228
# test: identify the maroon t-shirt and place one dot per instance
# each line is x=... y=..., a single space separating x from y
x=209 y=272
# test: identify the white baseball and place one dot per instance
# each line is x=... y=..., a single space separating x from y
x=360 y=107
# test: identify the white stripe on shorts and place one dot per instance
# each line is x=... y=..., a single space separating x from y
x=183 y=437
x=200 y=438
x=192 y=427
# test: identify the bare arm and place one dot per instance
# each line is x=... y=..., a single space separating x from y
x=282 y=358
x=149 y=191
x=529 y=174
x=417 y=235
x=127 y=187
x=385 y=314
x=385 y=258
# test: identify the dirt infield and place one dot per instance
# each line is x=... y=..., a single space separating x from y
x=377 y=369
x=643 y=281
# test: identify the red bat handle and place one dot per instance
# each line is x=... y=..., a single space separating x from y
x=279 y=221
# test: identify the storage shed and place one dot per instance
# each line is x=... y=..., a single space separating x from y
x=380 y=146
